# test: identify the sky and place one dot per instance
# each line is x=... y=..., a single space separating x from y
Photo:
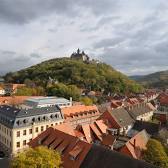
x=130 y=35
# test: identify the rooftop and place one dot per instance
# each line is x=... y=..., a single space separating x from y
x=79 y=154
x=77 y=109
x=15 y=117
x=49 y=100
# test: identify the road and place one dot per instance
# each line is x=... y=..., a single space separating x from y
x=4 y=162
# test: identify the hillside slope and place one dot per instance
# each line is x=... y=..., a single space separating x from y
x=158 y=79
x=84 y=75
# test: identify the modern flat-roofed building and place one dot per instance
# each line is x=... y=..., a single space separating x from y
x=19 y=126
x=48 y=101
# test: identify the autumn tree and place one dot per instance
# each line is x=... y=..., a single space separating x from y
x=155 y=154
x=39 y=157
x=86 y=101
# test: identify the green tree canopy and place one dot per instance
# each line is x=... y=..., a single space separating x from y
x=27 y=91
x=155 y=154
x=86 y=101
x=40 y=157
x=68 y=71
x=62 y=90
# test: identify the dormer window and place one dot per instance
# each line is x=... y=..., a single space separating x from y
x=52 y=116
x=74 y=153
x=39 y=118
x=25 y=121
x=18 y=122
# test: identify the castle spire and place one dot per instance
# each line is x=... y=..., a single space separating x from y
x=78 y=51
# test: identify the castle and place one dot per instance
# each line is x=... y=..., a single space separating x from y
x=80 y=55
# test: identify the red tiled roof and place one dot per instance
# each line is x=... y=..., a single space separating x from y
x=10 y=100
x=87 y=133
x=136 y=144
x=116 y=103
x=73 y=150
x=163 y=99
x=77 y=109
x=132 y=101
x=101 y=125
x=65 y=127
x=96 y=131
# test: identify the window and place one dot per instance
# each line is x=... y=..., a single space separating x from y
x=24 y=143
x=18 y=144
x=30 y=131
x=18 y=134
x=51 y=125
x=30 y=139
x=42 y=128
x=46 y=126
x=36 y=129
x=24 y=132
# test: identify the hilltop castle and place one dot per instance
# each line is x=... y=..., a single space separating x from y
x=80 y=55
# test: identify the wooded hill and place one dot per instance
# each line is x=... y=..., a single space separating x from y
x=154 y=80
x=90 y=75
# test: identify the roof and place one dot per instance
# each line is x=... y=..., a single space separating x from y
x=77 y=109
x=100 y=157
x=136 y=144
x=93 y=131
x=122 y=117
x=10 y=100
x=65 y=127
x=140 y=109
x=132 y=101
x=151 y=128
x=73 y=150
x=163 y=99
x=79 y=154
x=46 y=100
x=15 y=117
x=16 y=112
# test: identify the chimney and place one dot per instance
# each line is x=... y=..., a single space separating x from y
x=70 y=101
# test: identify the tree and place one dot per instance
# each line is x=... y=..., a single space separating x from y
x=155 y=154
x=86 y=101
x=62 y=90
x=38 y=157
x=27 y=91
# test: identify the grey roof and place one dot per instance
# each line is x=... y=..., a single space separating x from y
x=122 y=117
x=137 y=110
x=104 y=107
x=46 y=100
x=11 y=116
x=151 y=128
x=100 y=157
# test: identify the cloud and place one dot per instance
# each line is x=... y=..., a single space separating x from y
x=12 y=61
x=20 y=12
x=130 y=35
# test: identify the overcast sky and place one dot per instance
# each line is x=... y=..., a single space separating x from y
x=130 y=35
